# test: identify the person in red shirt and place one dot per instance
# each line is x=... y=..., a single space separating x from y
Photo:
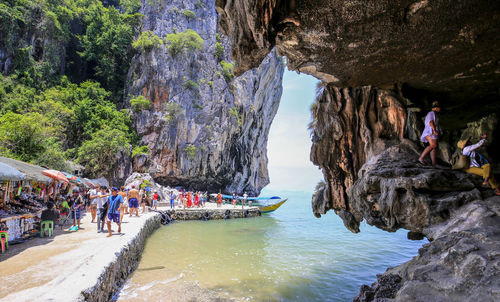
x=219 y=199
x=234 y=200
x=156 y=197
x=189 y=200
x=196 y=200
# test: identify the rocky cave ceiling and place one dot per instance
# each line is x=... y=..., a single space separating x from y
x=447 y=49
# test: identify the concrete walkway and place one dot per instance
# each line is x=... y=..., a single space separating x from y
x=61 y=267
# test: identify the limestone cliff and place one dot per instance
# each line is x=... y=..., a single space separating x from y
x=205 y=130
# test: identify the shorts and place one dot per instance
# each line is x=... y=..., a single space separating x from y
x=114 y=217
x=133 y=203
x=155 y=203
x=77 y=213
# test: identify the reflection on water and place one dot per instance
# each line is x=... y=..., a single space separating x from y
x=287 y=256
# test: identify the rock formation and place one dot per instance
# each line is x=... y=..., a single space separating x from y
x=382 y=63
x=205 y=130
x=460 y=264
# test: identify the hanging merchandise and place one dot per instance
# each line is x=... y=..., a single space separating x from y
x=19 y=189
x=42 y=192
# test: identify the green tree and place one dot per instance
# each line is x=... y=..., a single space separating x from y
x=25 y=137
x=140 y=150
x=98 y=155
x=107 y=44
x=227 y=68
x=188 y=40
x=140 y=103
x=147 y=41
x=189 y=14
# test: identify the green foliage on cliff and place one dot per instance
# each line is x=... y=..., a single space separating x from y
x=227 y=69
x=199 y=4
x=147 y=41
x=190 y=151
x=98 y=154
x=140 y=150
x=189 y=14
x=49 y=126
x=190 y=84
x=106 y=44
x=140 y=103
x=235 y=113
x=219 y=51
x=45 y=117
x=172 y=111
x=188 y=40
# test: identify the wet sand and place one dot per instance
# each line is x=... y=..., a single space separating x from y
x=61 y=267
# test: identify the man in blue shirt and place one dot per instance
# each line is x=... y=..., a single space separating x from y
x=114 y=204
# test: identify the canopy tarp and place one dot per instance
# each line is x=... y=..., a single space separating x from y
x=100 y=181
x=9 y=173
x=32 y=172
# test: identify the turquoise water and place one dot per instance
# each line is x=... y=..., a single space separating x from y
x=288 y=255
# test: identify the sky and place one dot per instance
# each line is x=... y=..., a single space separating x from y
x=289 y=142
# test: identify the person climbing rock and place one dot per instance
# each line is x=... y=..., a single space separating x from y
x=431 y=133
x=479 y=165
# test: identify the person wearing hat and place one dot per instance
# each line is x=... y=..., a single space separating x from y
x=431 y=133
x=479 y=165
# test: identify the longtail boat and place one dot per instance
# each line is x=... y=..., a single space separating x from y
x=265 y=204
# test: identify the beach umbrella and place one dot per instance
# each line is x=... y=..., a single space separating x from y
x=9 y=173
x=72 y=178
x=54 y=174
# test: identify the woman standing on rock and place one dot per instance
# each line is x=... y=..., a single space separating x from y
x=431 y=133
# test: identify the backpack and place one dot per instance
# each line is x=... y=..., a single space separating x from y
x=460 y=161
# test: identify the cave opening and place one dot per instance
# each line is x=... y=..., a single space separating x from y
x=289 y=140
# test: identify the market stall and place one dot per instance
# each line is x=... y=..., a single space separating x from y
x=21 y=198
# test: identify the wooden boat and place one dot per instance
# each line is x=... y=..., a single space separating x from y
x=265 y=204
x=272 y=207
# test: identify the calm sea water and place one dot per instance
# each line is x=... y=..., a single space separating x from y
x=288 y=255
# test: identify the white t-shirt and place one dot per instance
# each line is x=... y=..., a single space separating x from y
x=100 y=200
x=92 y=193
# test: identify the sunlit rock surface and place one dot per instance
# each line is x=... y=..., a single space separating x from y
x=204 y=131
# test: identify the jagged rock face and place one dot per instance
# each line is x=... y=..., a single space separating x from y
x=349 y=126
x=461 y=264
x=216 y=139
x=442 y=45
x=393 y=191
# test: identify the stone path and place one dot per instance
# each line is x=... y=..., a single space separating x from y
x=61 y=267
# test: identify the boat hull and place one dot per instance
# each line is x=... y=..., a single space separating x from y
x=271 y=208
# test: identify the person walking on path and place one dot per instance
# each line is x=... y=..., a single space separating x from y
x=115 y=202
x=172 y=200
x=124 y=207
x=133 y=201
x=102 y=196
x=233 y=201
x=245 y=198
x=154 y=202
x=431 y=133
x=93 y=207
x=76 y=205
x=479 y=165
